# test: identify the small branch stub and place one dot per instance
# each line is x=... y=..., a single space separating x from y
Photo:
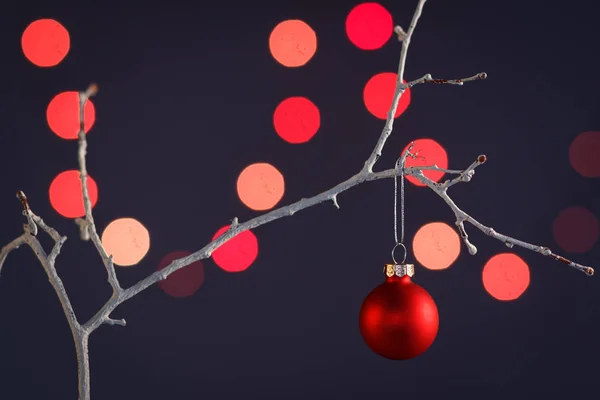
x=92 y=90
x=399 y=270
x=399 y=33
x=84 y=233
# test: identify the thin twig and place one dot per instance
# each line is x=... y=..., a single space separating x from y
x=15 y=244
x=90 y=225
x=80 y=335
x=461 y=216
x=400 y=89
x=428 y=79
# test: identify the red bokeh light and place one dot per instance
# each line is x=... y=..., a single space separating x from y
x=576 y=229
x=296 y=119
x=238 y=253
x=293 y=43
x=62 y=115
x=45 y=42
x=369 y=26
x=185 y=281
x=379 y=93
x=127 y=240
x=436 y=245
x=260 y=186
x=66 y=196
x=584 y=154
x=430 y=152
x=506 y=276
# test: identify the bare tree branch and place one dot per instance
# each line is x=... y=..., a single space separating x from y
x=428 y=79
x=461 y=216
x=84 y=233
x=400 y=89
x=88 y=230
x=90 y=225
x=15 y=244
x=111 y=321
x=80 y=335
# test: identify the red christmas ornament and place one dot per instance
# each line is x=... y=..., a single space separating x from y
x=399 y=319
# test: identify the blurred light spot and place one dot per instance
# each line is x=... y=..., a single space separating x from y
x=260 y=186
x=429 y=152
x=576 y=230
x=62 y=115
x=584 y=154
x=506 y=276
x=127 y=240
x=66 y=195
x=45 y=42
x=369 y=26
x=436 y=245
x=238 y=253
x=296 y=119
x=185 y=281
x=379 y=93
x=293 y=43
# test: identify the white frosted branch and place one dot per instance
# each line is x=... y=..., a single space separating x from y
x=84 y=233
x=80 y=335
x=46 y=260
x=399 y=32
x=428 y=79
x=88 y=229
x=15 y=244
x=400 y=88
x=442 y=190
x=111 y=321
x=53 y=233
x=335 y=201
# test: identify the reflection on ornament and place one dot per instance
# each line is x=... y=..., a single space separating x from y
x=399 y=320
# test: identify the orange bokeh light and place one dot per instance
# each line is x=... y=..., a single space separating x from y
x=62 y=115
x=296 y=119
x=66 y=195
x=576 y=229
x=185 y=281
x=506 y=276
x=430 y=152
x=238 y=253
x=45 y=42
x=378 y=95
x=293 y=43
x=127 y=240
x=260 y=186
x=369 y=26
x=436 y=245
x=583 y=154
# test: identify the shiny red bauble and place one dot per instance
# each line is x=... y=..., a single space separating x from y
x=399 y=319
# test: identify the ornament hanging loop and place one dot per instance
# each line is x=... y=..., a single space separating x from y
x=399 y=243
x=394 y=250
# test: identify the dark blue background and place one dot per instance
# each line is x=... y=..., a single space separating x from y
x=187 y=93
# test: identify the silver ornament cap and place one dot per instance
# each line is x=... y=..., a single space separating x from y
x=399 y=270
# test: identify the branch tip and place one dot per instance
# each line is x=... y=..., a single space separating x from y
x=111 y=321
x=335 y=202
x=399 y=33
x=481 y=159
x=92 y=90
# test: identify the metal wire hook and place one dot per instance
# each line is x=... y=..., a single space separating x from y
x=394 y=249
